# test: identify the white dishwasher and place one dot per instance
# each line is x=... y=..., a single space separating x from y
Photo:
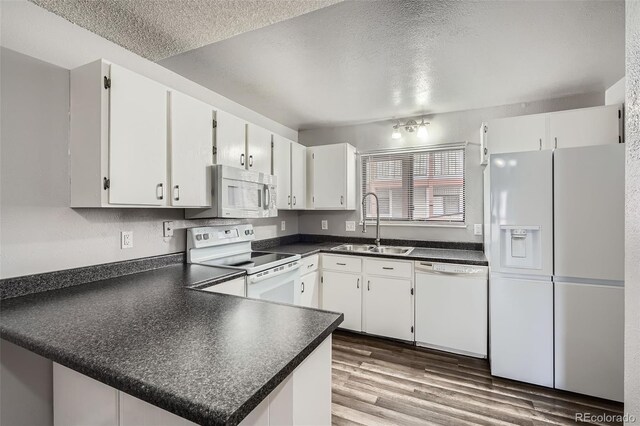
x=452 y=307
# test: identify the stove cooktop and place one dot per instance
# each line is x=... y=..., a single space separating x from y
x=253 y=261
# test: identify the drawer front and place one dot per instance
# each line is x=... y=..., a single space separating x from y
x=309 y=264
x=341 y=263
x=388 y=268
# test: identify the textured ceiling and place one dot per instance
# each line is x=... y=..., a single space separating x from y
x=362 y=61
x=156 y=29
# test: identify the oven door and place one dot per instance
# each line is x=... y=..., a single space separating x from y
x=276 y=286
x=245 y=193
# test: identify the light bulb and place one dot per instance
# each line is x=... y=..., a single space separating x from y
x=396 y=133
x=422 y=131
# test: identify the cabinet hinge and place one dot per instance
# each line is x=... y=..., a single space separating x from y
x=271 y=144
x=106 y=183
x=215 y=150
x=215 y=123
x=412 y=292
x=412 y=329
x=619 y=114
x=107 y=82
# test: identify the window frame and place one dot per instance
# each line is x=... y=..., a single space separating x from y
x=415 y=222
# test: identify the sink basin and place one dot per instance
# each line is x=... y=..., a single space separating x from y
x=354 y=247
x=391 y=250
x=373 y=249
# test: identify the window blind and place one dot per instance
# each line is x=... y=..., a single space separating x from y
x=418 y=185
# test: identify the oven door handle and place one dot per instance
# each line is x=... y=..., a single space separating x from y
x=254 y=278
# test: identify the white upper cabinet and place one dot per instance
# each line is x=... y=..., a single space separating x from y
x=118 y=138
x=290 y=167
x=516 y=134
x=587 y=126
x=191 y=148
x=258 y=149
x=298 y=176
x=332 y=177
x=282 y=170
x=230 y=140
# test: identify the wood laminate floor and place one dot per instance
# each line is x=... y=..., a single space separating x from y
x=379 y=382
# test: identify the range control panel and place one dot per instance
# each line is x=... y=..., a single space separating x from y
x=208 y=236
x=451 y=268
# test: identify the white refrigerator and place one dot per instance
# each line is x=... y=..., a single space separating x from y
x=589 y=270
x=520 y=283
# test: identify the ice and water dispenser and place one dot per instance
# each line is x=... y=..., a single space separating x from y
x=520 y=247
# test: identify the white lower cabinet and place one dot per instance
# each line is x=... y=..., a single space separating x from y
x=308 y=291
x=388 y=307
x=303 y=398
x=342 y=292
x=234 y=287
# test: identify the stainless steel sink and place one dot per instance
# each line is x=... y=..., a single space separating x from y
x=392 y=250
x=354 y=247
x=368 y=248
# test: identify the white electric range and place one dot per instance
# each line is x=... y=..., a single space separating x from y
x=270 y=276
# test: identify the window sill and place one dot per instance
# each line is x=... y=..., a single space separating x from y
x=417 y=224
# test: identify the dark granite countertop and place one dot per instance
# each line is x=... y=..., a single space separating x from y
x=470 y=257
x=207 y=357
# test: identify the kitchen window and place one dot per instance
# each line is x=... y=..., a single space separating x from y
x=418 y=185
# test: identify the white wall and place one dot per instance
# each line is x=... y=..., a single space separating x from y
x=616 y=93
x=632 y=215
x=38 y=230
x=444 y=128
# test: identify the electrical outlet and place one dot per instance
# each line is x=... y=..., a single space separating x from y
x=325 y=225
x=350 y=225
x=167 y=230
x=477 y=229
x=283 y=225
x=126 y=239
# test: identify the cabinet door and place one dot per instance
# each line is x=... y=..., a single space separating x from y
x=589 y=339
x=230 y=140
x=137 y=139
x=191 y=151
x=309 y=286
x=343 y=293
x=585 y=127
x=516 y=134
x=282 y=170
x=329 y=176
x=298 y=176
x=258 y=149
x=382 y=296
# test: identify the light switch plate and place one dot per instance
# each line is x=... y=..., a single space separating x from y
x=325 y=225
x=126 y=239
x=283 y=225
x=477 y=229
x=350 y=225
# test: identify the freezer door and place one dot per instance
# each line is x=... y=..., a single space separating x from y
x=522 y=213
x=589 y=212
x=589 y=339
x=521 y=329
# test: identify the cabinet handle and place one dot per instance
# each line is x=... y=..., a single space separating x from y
x=388 y=268
x=302 y=287
x=309 y=266
x=176 y=193
x=289 y=200
x=160 y=195
x=358 y=283
x=555 y=143
x=341 y=199
x=251 y=161
x=540 y=145
x=242 y=159
x=341 y=264
x=368 y=285
x=294 y=200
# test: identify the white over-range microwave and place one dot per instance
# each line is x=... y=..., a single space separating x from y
x=239 y=193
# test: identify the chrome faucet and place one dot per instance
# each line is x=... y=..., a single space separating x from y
x=364 y=216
